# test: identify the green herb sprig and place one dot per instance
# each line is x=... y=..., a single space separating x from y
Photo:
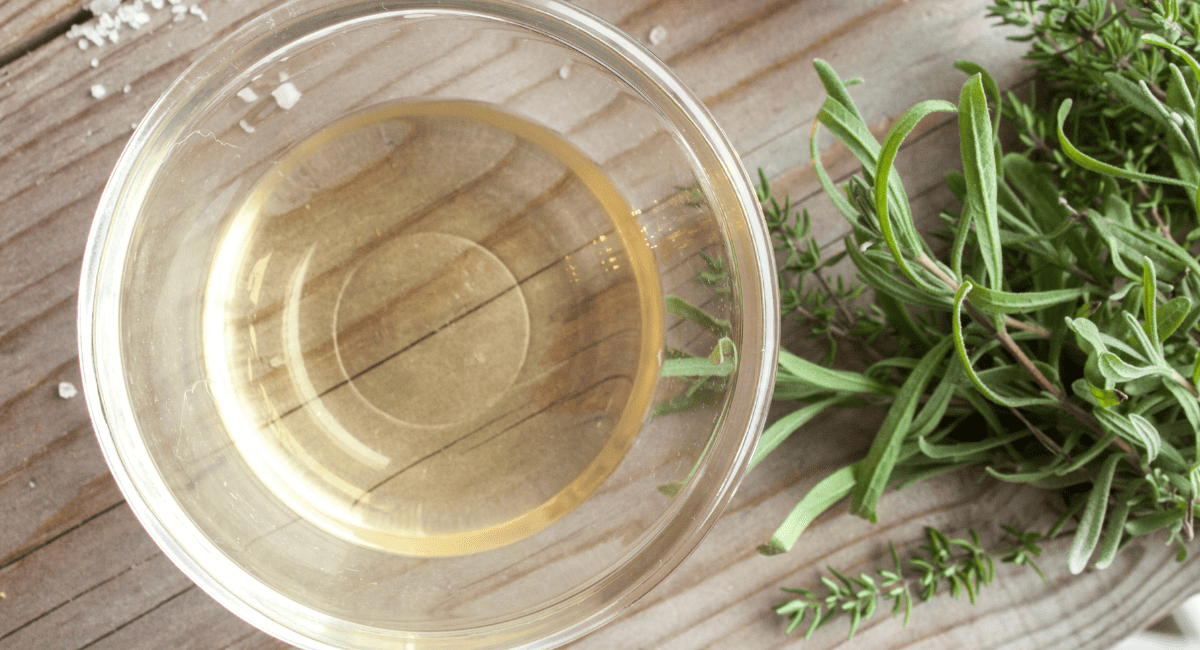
x=961 y=564
x=1047 y=332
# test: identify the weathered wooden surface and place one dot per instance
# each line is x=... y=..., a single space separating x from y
x=76 y=570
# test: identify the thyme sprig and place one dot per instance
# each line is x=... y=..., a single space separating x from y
x=961 y=564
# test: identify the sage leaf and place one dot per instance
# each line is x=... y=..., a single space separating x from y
x=1004 y=302
x=883 y=182
x=979 y=171
x=1092 y=518
x=829 y=379
x=686 y=310
x=875 y=470
x=1114 y=529
x=1088 y=162
x=820 y=498
x=1170 y=316
x=775 y=434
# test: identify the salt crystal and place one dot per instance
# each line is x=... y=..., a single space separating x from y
x=66 y=390
x=32 y=484
x=83 y=44
x=157 y=4
x=195 y=10
x=286 y=96
x=245 y=126
x=247 y=94
x=658 y=35
x=98 y=91
x=126 y=89
x=283 y=76
x=179 y=9
x=174 y=2
x=95 y=63
x=564 y=71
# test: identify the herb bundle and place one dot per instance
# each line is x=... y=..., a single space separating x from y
x=1056 y=310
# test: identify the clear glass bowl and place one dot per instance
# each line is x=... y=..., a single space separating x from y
x=391 y=331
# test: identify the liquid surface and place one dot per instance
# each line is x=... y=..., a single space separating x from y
x=433 y=328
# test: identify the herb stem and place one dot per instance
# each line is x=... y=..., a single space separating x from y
x=1046 y=441
x=842 y=333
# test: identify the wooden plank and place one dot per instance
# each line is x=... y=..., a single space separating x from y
x=26 y=25
x=97 y=612
x=72 y=565
x=750 y=59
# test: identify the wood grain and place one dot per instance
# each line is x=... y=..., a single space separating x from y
x=26 y=25
x=76 y=569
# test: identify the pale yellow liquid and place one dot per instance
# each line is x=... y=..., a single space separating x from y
x=433 y=328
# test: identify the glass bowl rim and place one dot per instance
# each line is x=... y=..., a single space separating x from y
x=255 y=602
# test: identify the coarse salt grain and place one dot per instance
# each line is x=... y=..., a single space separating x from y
x=247 y=94
x=245 y=126
x=67 y=390
x=98 y=91
x=126 y=89
x=565 y=71
x=283 y=76
x=658 y=35
x=95 y=63
x=286 y=96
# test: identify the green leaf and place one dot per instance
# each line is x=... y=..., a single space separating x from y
x=1088 y=533
x=966 y=448
x=1190 y=406
x=1005 y=302
x=1134 y=429
x=1150 y=523
x=696 y=367
x=931 y=414
x=829 y=379
x=1150 y=302
x=883 y=280
x=684 y=309
x=979 y=171
x=1117 y=370
x=1114 y=529
x=1089 y=335
x=903 y=225
x=1155 y=39
x=1139 y=96
x=835 y=88
x=993 y=94
x=820 y=498
x=835 y=196
x=1035 y=184
x=1153 y=352
x=960 y=346
x=1088 y=162
x=1148 y=434
x=875 y=470
x=786 y=425
x=1171 y=315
